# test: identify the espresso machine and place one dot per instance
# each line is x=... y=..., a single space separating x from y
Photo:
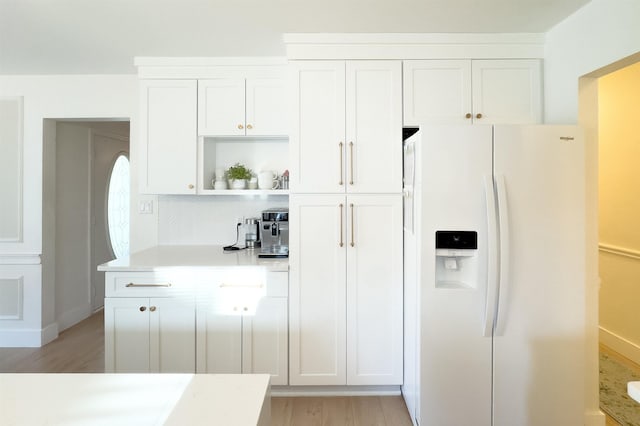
x=274 y=230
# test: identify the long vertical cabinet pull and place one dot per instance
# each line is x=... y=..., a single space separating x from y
x=341 y=225
x=350 y=163
x=492 y=258
x=353 y=242
x=341 y=145
x=503 y=224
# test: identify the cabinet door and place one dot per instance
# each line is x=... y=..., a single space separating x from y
x=126 y=335
x=266 y=112
x=317 y=144
x=374 y=290
x=437 y=91
x=265 y=342
x=219 y=341
x=317 y=280
x=507 y=91
x=172 y=335
x=221 y=107
x=168 y=136
x=374 y=124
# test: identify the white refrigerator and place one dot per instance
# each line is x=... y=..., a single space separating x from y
x=495 y=276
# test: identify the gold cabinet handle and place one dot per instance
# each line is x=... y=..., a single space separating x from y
x=478 y=115
x=191 y=186
x=152 y=308
x=240 y=126
x=249 y=127
x=468 y=115
x=341 y=225
x=149 y=285
x=143 y=308
x=353 y=243
x=340 y=145
x=351 y=162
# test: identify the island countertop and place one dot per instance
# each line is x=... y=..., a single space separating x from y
x=135 y=399
x=168 y=256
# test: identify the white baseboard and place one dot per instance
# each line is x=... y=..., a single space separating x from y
x=74 y=316
x=20 y=338
x=335 y=390
x=49 y=333
x=594 y=418
x=620 y=344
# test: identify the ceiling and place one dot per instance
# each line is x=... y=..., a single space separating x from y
x=89 y=36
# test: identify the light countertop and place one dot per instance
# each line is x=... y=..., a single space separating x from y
x=159 y=257
x=134 y=399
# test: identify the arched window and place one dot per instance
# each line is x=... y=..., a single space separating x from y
x=118 y=206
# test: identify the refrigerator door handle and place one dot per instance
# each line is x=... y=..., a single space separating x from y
x=492 y=258
x=503 y=232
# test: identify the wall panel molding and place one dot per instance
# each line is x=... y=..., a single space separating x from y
x=619 y=251
x=11 y=169
x=11 y=298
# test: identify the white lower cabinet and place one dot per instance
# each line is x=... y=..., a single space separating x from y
x=151 y=326
x=154 y=335
x=248 y=343
x=346 y=289
x=265 y=340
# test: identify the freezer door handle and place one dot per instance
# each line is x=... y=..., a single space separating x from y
x=492 y=257
x=503 y=232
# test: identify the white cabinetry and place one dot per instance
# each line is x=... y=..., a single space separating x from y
x=346 y=135
x=249 y=343
x=168 y=136
x=265 y=341
x=155 y=334
x=346 y=290
x=239 y=107
x=472 y=91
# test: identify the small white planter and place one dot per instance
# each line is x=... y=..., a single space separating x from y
x=239 y=184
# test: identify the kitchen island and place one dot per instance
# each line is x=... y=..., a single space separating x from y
x=135 y=399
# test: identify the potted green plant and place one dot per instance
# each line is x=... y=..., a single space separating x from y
x=238 y=175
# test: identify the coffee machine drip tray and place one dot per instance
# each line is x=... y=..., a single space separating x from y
x=274 y=252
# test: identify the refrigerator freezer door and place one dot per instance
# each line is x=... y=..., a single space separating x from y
x=455 y=358
x=539 y=338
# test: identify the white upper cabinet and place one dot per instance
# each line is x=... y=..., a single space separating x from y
x=346 y=134
x=241 y=107
x=507 y=91
x=437 y=91
x=168 y=136
x=316 y=143
x=472 y=91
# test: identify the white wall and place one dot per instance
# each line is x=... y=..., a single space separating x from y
x=59 y=97
x=600 y=33
x=193 y=219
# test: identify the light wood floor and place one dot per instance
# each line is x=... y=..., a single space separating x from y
x=80 y=349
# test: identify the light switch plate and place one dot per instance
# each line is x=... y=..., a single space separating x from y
x=145 y=207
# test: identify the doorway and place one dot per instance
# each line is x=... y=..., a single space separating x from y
x=594 y=107
x=79 y=156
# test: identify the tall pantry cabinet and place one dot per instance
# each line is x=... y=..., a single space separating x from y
x=346 y=223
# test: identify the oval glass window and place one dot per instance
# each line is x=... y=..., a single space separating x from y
x=118 y=207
